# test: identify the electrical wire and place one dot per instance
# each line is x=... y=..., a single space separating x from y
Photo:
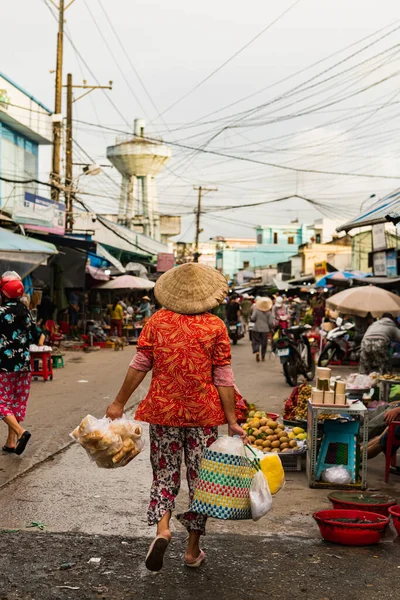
x=226 y=62
x=259 y=162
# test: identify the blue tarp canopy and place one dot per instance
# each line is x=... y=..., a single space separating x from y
x=339 y=276
x=22 y=254
x=376 y=213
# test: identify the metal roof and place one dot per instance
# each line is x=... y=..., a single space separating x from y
x=376 y=213
x=108 y=233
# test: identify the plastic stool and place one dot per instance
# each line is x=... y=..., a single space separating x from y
x=42 y=365
x=58 y=361
x=338 y=447
x=392 y=442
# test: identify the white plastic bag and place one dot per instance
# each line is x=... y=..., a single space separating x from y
x=260 y=496
x=228 y=445
x=339 y=475
x=111 y=444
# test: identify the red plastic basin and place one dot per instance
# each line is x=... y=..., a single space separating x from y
x=351 y=534
x=395 y=512
x=273 y=416
x=370 y=501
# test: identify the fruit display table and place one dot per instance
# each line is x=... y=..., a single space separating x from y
x=360 y=413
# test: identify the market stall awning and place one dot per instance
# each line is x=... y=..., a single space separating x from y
x=376 y=213
x=22 y=254
x=127 y=282
x=339 y=277
x=365 y=299
x=113 y=235
x=96 y=273
x=101 y=251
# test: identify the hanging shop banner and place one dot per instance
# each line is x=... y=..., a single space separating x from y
x=378 y=236
x=165 y=262
x=40 y=214
x=379 y=262
x=391 y=263
x=320 y=269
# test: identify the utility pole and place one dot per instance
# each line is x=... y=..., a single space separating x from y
x=68 y=143
x=201 y=191
x=68 y=157
x=55 y=178
x=57 y=123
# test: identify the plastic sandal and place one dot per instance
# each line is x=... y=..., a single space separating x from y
x=196 y=563
x=8 y=450
x=22 y=442
x=155 y=555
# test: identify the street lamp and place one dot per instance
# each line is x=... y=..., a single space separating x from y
x=91 y=169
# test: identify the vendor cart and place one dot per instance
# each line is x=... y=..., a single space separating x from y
x=358 y=457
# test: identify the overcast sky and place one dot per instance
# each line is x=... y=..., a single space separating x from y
x=341 y=119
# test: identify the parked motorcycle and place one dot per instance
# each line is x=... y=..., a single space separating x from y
x=235 y=331
x=294 y=351
x=339 y=347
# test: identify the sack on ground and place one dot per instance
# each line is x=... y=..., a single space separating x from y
x=338 y=475
x=260 y=496
x=223 y=486
x=111 y=444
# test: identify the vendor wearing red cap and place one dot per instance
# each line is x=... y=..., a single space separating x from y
x=17 y=332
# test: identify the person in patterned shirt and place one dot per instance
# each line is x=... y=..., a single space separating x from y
x=17 y=332
x=191 y=393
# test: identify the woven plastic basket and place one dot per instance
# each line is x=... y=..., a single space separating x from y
x=223 y=486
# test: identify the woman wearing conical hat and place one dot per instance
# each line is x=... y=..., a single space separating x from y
x=191 y=393
x=264 y=323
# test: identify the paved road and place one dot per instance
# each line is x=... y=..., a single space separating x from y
x=88 y=383
x=237 y=568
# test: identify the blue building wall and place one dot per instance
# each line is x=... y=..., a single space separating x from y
x=275 y=244
x=18 y=160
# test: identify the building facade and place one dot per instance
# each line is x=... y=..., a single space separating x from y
x=274 y=244
x=25 y=125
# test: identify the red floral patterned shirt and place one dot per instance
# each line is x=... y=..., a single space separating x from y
x=184 y=349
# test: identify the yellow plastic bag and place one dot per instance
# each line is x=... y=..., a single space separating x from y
x=272 y=468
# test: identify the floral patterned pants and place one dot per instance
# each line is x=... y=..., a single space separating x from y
x=168 y=444
x=14 y=394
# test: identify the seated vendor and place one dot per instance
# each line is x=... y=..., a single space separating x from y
x=145 y=307
x=379 y=443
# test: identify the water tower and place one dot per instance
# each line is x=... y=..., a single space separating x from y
x=139 y=161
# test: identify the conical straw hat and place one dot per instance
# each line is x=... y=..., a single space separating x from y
x=264 y=304
x=191 y=289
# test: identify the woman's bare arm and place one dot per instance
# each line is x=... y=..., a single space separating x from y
x=227 y=396
x=132 y=381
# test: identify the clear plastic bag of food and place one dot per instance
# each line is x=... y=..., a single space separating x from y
x=111 y=444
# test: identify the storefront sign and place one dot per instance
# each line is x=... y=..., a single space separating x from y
x=379 y=262
x=165 y=262
x=378 y=236
x=40 y=214
x=320 y=269
x=391 y=263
